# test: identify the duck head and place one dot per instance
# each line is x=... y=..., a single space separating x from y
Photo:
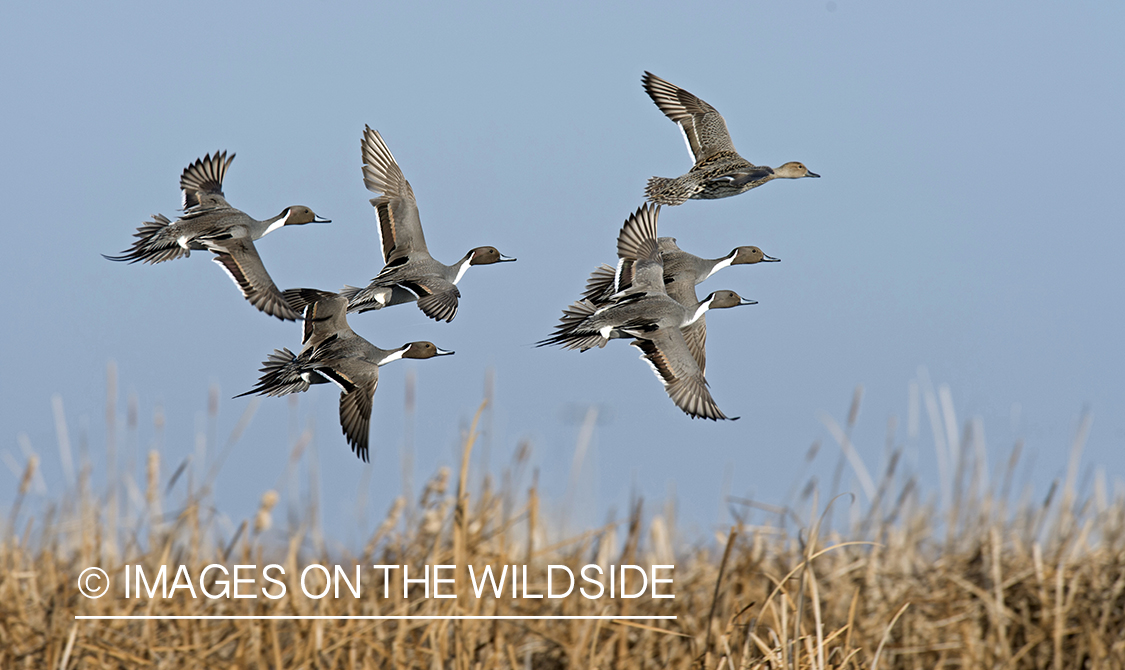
x=724 y=299
x=423 y=350
x=793 y=170
x=750 y=255
x=487 y=256
x=299 y=214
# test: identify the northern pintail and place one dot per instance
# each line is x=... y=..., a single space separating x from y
x=719 y=172
x=682 y=272
x=409 y=273
x=645 y=311
x=332 y=352
x=209 y=223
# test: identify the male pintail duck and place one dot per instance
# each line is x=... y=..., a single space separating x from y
x=332 y=352
x=409 y=273
x=719 y=172
x=644 y=311
x=209 y=223
x=682 y=272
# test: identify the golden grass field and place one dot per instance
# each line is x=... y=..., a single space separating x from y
x=911 y=580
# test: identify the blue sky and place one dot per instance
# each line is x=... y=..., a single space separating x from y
x=969 y=221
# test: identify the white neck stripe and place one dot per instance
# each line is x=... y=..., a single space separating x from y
x=393 y=357
x=279 y=223
x=720 y=265
x=463 y=269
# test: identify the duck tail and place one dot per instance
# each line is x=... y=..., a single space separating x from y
x=282 y=374
x=573 y=331
x=366 y=299
x=667 y=191
x=154 y=244
x=300 y=298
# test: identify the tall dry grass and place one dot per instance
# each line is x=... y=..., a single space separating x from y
x=963 y=578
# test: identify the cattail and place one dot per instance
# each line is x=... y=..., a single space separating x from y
x=263 y=520
x=153 y=493
x=28 y=474
x=661 y=543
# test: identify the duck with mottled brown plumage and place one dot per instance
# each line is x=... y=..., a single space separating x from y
x=719 y=171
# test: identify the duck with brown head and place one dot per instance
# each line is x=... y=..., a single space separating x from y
x=410 y=273
x=332 y=352
x=209 y=223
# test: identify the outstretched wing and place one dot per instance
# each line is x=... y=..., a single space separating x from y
x=437 y=298
x=241 y=261
x=357 y=388
x=668 y=354
x=696 y=337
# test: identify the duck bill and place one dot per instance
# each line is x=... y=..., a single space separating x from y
x=813 y=174
x=443 y=352
x=770 y=259
x=505 y=259
x=320 y=219
x=745 y=301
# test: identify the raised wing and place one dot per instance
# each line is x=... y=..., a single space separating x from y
x=703 y=127
x=201 y=183
x=400 y=228
x=637 y=242
x=324 y=317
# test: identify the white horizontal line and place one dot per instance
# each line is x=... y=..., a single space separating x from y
x=418 y=617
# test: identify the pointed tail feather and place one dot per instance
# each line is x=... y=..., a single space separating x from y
x=153 y=245
x=572 y=331
x=300 y=298
x=366 y=299
x=282 y=374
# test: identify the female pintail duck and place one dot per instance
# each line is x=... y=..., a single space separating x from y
x=644 y=311
x=332 y=352
x=682 y=272
x=409 y=273
x=209 y=223
x=719 y=172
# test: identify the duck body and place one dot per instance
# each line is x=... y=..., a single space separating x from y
x=718 y=170
x=210 y=223
x=332 y=352
x=410 y=273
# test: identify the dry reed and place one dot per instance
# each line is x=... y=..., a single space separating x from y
x=907 y=583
